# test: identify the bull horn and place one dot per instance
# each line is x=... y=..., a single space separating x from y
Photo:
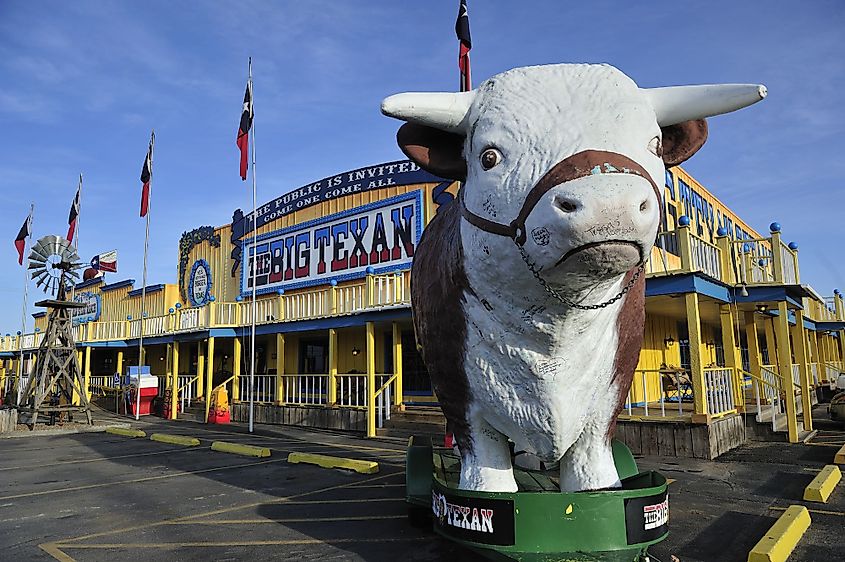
x=677 y=104
x=444 y=111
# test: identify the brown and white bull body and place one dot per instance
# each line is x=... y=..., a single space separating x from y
x=562 y=167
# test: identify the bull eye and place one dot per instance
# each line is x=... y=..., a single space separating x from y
x=655 y=146
x=490 y=158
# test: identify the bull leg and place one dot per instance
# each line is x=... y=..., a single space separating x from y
x=486 y=461
x=588 y=464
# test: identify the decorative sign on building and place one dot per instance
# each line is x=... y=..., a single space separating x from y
x=382 y=235
x=93 y=306
x=391 y=174
x=199 y=285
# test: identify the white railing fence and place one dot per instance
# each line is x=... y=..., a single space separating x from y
x=657 y=391
x=719 y=389
x=706 y=257
x=263 y=390
x=305 y=389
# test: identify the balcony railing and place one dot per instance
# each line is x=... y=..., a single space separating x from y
x=374 y=292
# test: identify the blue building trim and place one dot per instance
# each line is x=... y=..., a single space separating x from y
x=111 y=343
x=824 y=326
x=118 y=285
x=150 y=289
x=687 y=283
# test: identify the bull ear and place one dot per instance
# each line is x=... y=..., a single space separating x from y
x=682 y=140
x=436 y=151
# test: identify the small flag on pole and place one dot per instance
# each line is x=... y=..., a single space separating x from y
x=245 y=126
x=105 y=262
x=462 y=30
x=146 y=175
x=20 y=241
x=74 y=215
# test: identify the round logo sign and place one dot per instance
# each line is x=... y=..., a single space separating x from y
x=199 y=286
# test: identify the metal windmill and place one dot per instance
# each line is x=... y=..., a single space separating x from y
x=53 y=262
x=55 y=386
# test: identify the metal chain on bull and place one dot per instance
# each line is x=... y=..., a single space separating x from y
x=570 y=303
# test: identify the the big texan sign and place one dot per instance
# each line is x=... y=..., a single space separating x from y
x=382 y=236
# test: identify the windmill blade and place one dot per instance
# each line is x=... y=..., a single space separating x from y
x=41 y=276
x=73 y=274
x=39 y=251
x=33 y=264
x=44 y=279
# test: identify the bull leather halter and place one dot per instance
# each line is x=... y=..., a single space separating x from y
x=579 y=165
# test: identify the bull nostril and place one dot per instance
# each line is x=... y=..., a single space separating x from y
x=644 y=206
x=566 y=205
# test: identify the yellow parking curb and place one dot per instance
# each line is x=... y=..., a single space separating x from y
x=823 y=484
x=175 y=439
x=325 y=461
x=238 y=449
x=126 y=432
x=839 y=458
x=782 y=538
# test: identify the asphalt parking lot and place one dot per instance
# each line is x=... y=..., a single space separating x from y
x=98 y=496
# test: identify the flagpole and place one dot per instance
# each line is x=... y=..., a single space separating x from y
x=76 y=233
x=25 y=297
x=254 y=240
x=144 y=283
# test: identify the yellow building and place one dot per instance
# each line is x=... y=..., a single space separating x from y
x=731 y=333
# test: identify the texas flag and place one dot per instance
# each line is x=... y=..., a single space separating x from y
x=146 y=175
x=20 y=241
x=462 y=31
x=244 y=127
x=74 y=215
x=105 y=262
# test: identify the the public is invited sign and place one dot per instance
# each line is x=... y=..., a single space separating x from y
x=382 y=235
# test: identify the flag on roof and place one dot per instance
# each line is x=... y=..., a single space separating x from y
x=105 y=262
x=462 y=31
x=244 y=127
x=20 y=241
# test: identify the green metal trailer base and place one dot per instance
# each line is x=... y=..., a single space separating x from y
x=538 y=522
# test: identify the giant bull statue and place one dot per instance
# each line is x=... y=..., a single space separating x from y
x=528 y=290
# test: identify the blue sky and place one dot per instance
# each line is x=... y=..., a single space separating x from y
x=82 y=83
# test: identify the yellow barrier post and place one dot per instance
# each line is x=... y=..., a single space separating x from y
x=800 y=348
x=371 y=379
x=236 y=369
x=785 y=368
x=782 y=538
x=397 y=365
x=731 y=361
x=240 y=449
x=839 y=458
x=822 y=486
x=174 y=396
x=331 y=399
x=280 y=369
x=326 y=461
x=175 y=439
x=699 y=386
x=209 y=377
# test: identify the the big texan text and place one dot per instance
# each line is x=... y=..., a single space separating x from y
x=382 y=236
